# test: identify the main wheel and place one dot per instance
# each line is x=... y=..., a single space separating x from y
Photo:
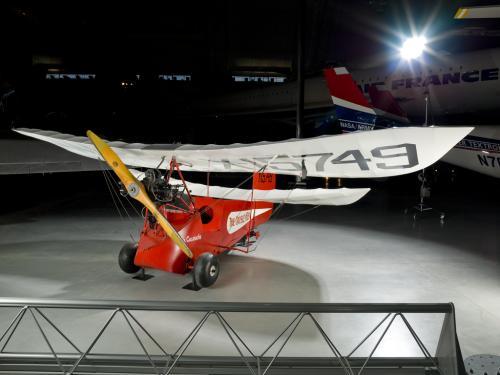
x=126 y=258
x=206 y=270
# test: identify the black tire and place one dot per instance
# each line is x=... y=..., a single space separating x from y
x=126 y=258
x=206 y=270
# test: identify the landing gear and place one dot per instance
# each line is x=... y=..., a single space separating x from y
x=206 y=270
x=126 y=258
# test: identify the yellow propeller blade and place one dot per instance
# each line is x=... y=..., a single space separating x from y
x=136 y=189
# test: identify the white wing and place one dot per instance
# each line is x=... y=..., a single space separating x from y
x=379 y=153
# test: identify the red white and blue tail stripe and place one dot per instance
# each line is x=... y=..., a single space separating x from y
x=352 y=108
x=344 y=91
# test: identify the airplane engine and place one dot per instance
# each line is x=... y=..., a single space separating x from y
x=159 y=188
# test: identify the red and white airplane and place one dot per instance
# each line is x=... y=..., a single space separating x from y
x=187 y=225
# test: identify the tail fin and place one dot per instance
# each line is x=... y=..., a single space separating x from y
x=353 y=110
x=385 y=104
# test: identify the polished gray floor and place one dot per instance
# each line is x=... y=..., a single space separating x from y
x=367 y=252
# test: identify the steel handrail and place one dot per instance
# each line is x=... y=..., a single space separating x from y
x=230 y=306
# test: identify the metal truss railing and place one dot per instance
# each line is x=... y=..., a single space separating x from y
x=445 y=361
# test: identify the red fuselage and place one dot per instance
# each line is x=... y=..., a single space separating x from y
x=215 y=226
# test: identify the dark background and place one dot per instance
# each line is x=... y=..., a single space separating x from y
x=208 y=40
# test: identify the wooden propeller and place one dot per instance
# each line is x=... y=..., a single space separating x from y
x=136 y=190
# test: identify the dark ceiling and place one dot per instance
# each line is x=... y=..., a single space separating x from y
x=209 y=40
x=216 y=37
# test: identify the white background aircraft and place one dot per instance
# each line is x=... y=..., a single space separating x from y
x=456 y=84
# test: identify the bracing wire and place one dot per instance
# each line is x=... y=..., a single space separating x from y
x=260 y=170
x=273 y=222
x=115 y=196
x=276 y=220
x=110 y=189
x=273 y=214
x=109 y=180
x=117 y=185
x=110 y=176
x=300 y=213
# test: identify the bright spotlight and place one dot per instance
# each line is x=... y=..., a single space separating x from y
x=413 y=47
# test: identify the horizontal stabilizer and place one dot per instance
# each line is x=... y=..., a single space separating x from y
x=379 y=153
x=326 y=197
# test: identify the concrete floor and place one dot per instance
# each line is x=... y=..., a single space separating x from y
x=367 y=252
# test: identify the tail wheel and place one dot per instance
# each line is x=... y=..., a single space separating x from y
x=206 y=270
x=126 y=258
